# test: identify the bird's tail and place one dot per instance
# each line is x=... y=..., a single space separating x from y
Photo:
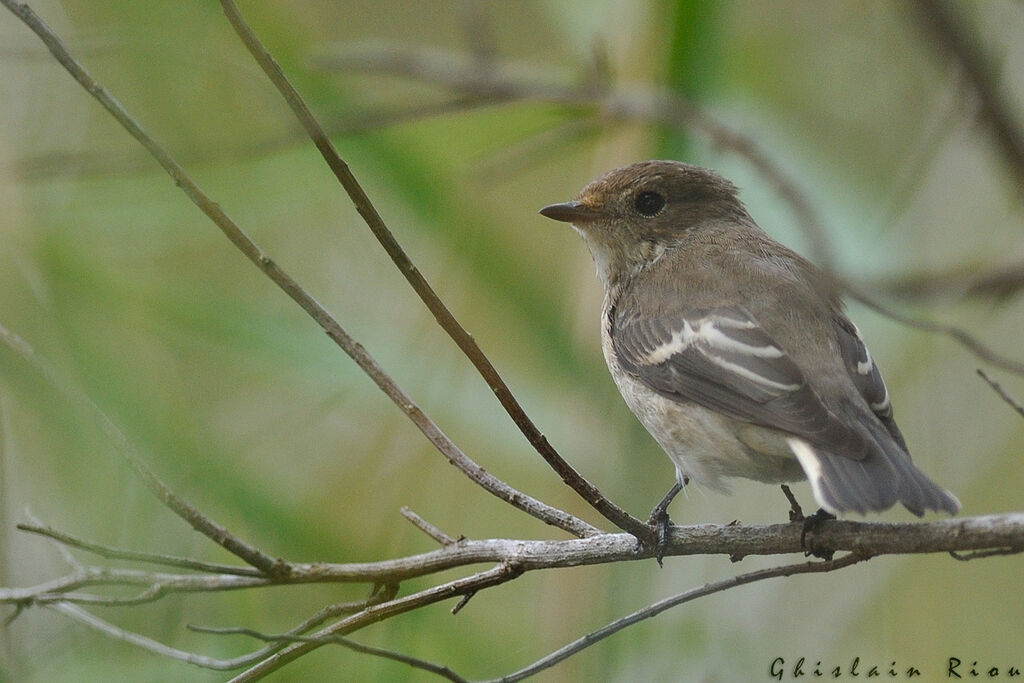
x=886 y=476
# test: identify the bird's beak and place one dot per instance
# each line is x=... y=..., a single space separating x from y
x=570 y=212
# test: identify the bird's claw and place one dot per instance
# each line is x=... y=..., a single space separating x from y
x=810 y=524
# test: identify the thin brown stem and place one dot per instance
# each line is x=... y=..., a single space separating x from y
x=267 y=565
x=512 y=82
x=674 y=601
x=453 y=589
x=284 y=638
x=335 y=331
x=418 y=282
x=112 y=553
x=950 y=37
x=1003 y=393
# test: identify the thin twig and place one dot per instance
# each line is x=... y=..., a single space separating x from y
x=961 y=336
x=453 y=589
x=440 y=311
x=668 y=603
x=514 y=82
x=64 y=552
x=796 y=513
x=112 y=553
x=156 y=647
x=212 y=530
x=980 y=554
x=335 y=331
x=503 y=81
x=154 y=585
x=414 y=662
x=956 y=282
x=950 y=38
x=427 y=528
x=1003 y=393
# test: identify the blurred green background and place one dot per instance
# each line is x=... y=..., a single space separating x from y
x=244 y=406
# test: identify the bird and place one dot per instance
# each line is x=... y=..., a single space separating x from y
x=735 y=352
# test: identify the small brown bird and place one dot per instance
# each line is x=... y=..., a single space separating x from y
x=733 y=351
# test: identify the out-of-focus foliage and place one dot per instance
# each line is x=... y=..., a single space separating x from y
x=242 y=405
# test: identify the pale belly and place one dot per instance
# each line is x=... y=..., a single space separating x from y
x=706 y=447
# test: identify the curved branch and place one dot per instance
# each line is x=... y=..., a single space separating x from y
x=440 y=311
x=330 y=325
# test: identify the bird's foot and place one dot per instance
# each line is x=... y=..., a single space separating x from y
x=660 y=519
x=810 y=524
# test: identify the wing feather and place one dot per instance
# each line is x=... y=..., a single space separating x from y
x=723 y=359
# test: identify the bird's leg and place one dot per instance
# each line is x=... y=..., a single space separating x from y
x=659 y=516
x=810 y=523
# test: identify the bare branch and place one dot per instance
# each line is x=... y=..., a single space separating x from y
x=440 y=311
x=414 y=662
x=1003 y=393
x=138 y=640
x=676 y=600
x=126 y=450
x=335 y=331
x=958 y=334
x=154 y=586
x=427 y=528
x=736 y=541
x=112 y=553
x=512 y=82
x=980 y=554
x=957 y=282
x=967 y=538
x=492 y=577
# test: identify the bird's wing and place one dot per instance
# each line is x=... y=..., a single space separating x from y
x=865 y=374
x=722 y=359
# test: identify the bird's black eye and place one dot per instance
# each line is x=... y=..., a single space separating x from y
x=649 y=204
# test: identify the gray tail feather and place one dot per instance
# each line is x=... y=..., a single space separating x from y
x=877 y=482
